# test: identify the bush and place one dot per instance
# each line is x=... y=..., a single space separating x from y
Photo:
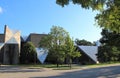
x=28 y=53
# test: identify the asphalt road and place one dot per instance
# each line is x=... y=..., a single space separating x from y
x=23 y=72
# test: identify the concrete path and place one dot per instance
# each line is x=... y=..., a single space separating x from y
x=112 y=71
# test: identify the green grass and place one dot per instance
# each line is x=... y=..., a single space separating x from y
x=102 y=64
x=77 y=66
x=61 y=67
x=38 y=65
x=53 y=66
x=66 y=67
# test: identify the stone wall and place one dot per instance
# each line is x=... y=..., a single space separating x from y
x=11 y=47
x=35 y=38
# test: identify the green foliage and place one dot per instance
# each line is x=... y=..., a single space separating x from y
x=83 y=42
x=94 y=4
x=28 y=53
x=109 y=19
x=110 y=38
x=108 y=53
x=54 y=43
x=59 y=45
x=110 y=49
x=45 y=42
x=115 y=54
x=70 y=50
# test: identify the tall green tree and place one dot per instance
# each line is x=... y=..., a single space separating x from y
x=108 y=53
x=70 y=50
x=60 y=46
x=109 y=11
x=28 y=54
x=54 y=42
x=110 y=38
x=110 y=50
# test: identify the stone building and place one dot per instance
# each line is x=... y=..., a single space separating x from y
x=9 y=46
x=11 y=43
x=35 y=38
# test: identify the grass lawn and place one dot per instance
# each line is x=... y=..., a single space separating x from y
x=103 y=64
x=53 y=66
x=66 y=67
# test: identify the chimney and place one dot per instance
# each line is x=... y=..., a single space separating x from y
x=5 y=28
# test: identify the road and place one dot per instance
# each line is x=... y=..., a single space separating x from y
x=25 y=72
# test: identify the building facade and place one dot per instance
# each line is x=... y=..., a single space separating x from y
x=9 y=46
x=11 y=43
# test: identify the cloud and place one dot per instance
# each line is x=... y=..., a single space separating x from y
x=1 y=10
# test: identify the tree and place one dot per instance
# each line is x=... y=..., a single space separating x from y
x=108 y=53
x=94 y=4
x=28 y=53
x=60 y=46
x=83 y=42
x=110 y=50
x=109 y=18
x=70 y=50
x=54 y=42
x=110 y=38
x=109 y=11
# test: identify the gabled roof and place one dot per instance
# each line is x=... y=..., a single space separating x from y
x=91 y=51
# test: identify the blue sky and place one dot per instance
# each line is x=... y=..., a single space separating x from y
x=38 y=16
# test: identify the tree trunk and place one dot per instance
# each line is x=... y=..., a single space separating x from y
x=35 y=58
x=70 y=63
x=70 y=66
x=57 y=63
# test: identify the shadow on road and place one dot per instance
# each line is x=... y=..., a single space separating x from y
x=103 y=72
x=16 y=69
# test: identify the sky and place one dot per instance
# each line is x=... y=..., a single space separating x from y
x=38 y=16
